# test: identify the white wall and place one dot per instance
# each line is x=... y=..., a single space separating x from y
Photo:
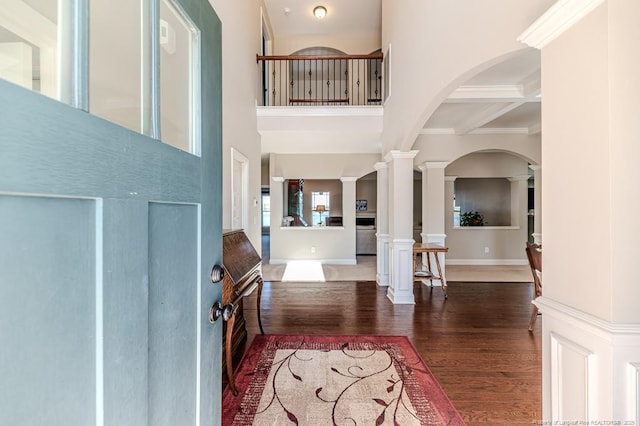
x=322 y=166
x=437 y=45
x=354 y=44
x=590 y=318
x=241 y=41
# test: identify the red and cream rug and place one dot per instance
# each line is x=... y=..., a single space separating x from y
x=335 y=380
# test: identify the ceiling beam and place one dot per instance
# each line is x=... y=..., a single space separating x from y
x=485 y=116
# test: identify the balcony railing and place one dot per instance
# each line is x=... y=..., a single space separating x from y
x=298 y=80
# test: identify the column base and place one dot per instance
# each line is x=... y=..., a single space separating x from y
x=382 y=267
x=401 y=272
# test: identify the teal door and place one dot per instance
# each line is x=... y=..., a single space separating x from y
x=107 y=240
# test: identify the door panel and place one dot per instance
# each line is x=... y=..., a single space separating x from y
x=173 y=303
x=48 y=253
x=101 y=229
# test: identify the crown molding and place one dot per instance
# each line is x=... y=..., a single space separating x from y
x=348 y=179
x=555 y=21
x=438 y=131
x=500 y=131
x=535 y=167
x=484 y=92
x=482 y=131
x=518 y=178
x=278 y=179
x=450 y=178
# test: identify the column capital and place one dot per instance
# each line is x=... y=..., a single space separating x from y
x=535 y=167
x=518 y=178
x=277 y=179
x=396 y=155
x=381 y=165
x=433 y=165
x=450 y=178
x=348 y=179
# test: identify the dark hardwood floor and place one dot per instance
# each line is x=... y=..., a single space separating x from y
x=476 y=343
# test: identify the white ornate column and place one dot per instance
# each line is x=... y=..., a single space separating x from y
x=401 y=226
x=382 y=225
x=433 y=207
x=537 y=204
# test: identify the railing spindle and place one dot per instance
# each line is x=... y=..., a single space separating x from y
x=301 y=80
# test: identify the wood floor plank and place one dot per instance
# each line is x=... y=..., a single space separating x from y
x=476 y=343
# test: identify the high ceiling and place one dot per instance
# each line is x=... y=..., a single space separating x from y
x=502 y=99
x=350 y=17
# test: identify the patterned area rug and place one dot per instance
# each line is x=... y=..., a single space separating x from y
x=335 y=380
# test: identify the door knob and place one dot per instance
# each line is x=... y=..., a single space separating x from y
x=217 y=274
x=218 y=310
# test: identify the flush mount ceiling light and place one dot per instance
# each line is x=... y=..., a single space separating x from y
x=319 y=12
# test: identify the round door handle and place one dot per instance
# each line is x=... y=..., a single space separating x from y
x=218 y=310
x=217 y=274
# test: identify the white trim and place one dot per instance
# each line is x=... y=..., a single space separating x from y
x=277 y=179
x=534 y=167
x=312 y=228
x=487 y=262
x=398 y=155
x=433 y=165
x=334 y=111
x=518 y=178
x=348 y=179
x=481 y=131
x=380 y=165
x=535 y=129
x=243 y=203
x=555 y=21
x=487 y=228
x=199 y=279
x=580 y=318
x=322 y=261
x=500 y=131
x=470 y=93
x=450 y=178
x=437 y=131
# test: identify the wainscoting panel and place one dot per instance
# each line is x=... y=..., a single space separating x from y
x=571 y=368
x=590 y=367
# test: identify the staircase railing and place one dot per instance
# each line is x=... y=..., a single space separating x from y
x=299 y=80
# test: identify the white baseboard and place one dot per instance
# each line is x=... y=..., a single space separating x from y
x=487 y=262
x=322 y=261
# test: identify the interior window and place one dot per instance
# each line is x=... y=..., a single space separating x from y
x=320 y=207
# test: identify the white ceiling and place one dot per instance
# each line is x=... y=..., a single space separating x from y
x=502 y=99
x=344 y=17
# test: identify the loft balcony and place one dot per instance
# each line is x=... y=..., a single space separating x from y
x=325 y=103
x=322 y=80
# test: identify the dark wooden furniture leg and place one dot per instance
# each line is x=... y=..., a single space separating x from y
x=259 y=298
x=229 y=355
